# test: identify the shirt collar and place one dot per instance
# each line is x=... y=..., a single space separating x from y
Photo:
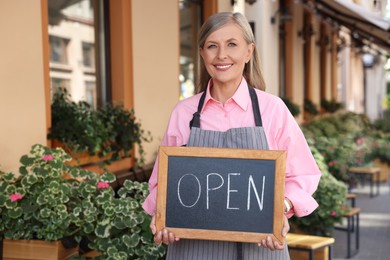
x=241 y=97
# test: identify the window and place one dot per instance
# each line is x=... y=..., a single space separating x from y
x=88 y=54
x=90 y=93
x=58 y=49
x=78 y=41
x=190 y=22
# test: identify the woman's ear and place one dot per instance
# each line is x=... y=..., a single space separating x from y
x=201 y=52
x=251 y=48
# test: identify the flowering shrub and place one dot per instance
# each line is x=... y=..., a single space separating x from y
x=50 y=200
x=342 y=139
x=330 y=196
x=380 y=147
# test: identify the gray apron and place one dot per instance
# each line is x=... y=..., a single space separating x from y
x=245 y=138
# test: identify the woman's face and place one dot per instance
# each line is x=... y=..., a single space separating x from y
x=225 y=53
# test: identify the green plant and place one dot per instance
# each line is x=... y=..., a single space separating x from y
x=380 y=148
x=330 y=196
x=50 y=200
x=343 y=139
x=331 y=106
x=111 y=130
x=383 y=123
x=122 y=230
x=77 y=125
x=310 y=107
x=294 y=108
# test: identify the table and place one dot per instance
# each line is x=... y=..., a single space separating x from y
x=309 y=243
x=373 y=174
x=352 y=226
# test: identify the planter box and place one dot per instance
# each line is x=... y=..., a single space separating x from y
x=385 y=170
x=91 y=162
x=36 y=250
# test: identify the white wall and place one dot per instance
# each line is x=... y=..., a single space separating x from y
x=156 y=65
x=375 y=93
x=267 y=41
x=22 y=98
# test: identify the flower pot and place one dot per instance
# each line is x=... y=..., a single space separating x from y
x=385 y=170
x=36 y=250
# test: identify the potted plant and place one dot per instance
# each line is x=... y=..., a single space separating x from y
x=310 y=109
x=50 y=200
x=294 y=108
x=109 y=132
x=331 y=106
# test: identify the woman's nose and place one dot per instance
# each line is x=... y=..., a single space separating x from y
x=222 y=53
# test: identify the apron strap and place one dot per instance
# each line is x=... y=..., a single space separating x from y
x=255 y=106
x=195 y=122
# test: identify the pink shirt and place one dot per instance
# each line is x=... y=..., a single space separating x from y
x=281 y=129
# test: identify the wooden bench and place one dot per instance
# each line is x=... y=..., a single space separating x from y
x=352 y=217
x=371 y=172
x=352 y=198
x=310 y=244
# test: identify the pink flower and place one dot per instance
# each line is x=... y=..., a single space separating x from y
x=15 y=197
x=333 y=213
x=102 y=185
x=47 y=157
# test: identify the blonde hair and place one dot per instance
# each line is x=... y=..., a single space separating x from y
x=252 y=71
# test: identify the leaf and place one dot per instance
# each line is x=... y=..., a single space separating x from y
x=15 y=213
x=88 y=228
x=26 y=161
x=118 y=223
x=108 y=177
x=131 y=241
x=102 y=231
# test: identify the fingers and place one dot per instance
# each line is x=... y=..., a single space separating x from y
x=163 y=236
x=270 y=244
x=153 y=225
x=286 y=227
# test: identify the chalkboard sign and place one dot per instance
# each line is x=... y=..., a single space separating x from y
x=221 y=193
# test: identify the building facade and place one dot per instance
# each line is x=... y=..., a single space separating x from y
x=143 y=54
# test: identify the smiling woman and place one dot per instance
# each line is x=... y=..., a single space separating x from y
x=225 y=54
x=234 y=111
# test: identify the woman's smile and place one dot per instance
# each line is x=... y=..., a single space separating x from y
x=223 y=67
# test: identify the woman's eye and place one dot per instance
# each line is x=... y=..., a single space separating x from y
x=232 y=44
x=211 y=46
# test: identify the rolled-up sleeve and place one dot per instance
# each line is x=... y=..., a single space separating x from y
x=302 y=171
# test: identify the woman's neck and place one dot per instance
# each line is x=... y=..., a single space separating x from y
x=223 y=91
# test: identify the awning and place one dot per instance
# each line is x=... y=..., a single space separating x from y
x=358 y=20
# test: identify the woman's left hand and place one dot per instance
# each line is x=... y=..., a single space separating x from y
x=275 y=245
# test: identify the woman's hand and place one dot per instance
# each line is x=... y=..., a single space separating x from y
x=274 y=245
x=163 y=236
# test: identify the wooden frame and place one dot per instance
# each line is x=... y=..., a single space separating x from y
x=278 y=158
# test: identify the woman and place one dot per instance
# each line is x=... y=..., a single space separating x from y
x=232 y=100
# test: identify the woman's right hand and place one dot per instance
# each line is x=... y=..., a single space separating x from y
x=162 y=236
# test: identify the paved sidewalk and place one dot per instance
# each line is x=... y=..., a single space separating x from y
x=374 y=227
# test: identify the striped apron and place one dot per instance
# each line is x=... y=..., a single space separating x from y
x=246 y=138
